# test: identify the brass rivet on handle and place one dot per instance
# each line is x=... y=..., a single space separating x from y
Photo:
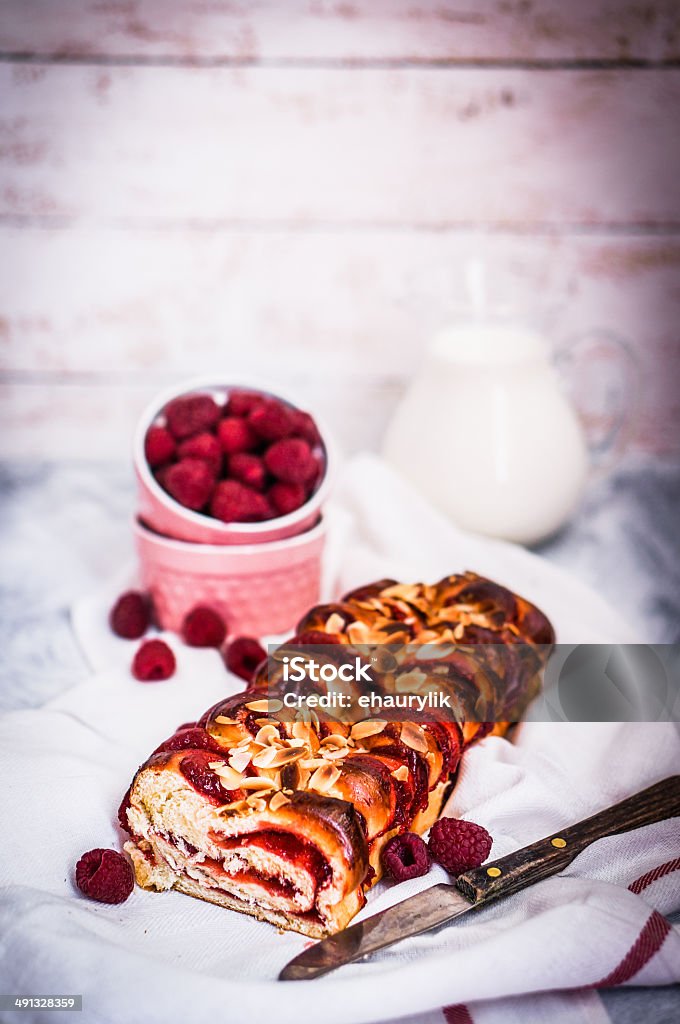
x=559 y=842
x=493 y=872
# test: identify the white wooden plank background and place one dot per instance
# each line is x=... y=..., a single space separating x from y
x=164 y=210
x=366 y=146
x=342 y=29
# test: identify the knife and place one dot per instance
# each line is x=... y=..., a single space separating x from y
x=477 y=888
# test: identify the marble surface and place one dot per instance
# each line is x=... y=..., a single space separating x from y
x=65 y=526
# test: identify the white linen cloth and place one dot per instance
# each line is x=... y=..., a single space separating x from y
x=165 y=957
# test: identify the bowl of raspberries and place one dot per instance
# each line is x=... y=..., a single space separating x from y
x=230 y=465
x=232 y=482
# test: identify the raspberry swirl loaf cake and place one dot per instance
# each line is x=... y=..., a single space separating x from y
x=283 y=816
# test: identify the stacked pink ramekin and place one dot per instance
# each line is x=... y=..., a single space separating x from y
x=259 y=576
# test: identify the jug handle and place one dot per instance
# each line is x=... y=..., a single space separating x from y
x=607 y=409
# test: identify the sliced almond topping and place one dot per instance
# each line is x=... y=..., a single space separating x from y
x=413 y=737
x=334 y=753
x=459 y=631
x=265 y=721
x=313 y=762
x=223 y=720
x=408 y=682
x=286 y=755
x=369 y=727
x=229 y=778
x=288 y=792
x=256 y=803
x=265 y=706
x=297 y=744
x=257 y=783
x=324 y=778
x=359 y=632
x=335 y=623
x=335 y=739
x=240 y=760
x=267 y=735
x=237 y=807
x=278 y=800
x=303 y=777
x=264 y=757
x=401 y=773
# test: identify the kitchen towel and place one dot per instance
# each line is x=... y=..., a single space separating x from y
x=161 y=957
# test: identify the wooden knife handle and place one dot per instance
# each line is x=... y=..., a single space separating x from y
x=554 y=853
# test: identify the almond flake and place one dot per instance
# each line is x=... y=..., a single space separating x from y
x=413 y=737
x=324 y=778
x=410 y=682
x=313 y=762
x=267 y=735
x=264 y=757
x=256 y=803
x=459 y=631
x=401 y=773
x=278 y=800
x=334 y=753
x=229 y=778
x=335 y=623
x=369 y=727
x=265 y=706
x=257 y=783
x=237 y=807
x=285 y=755
x=223 y=720
x=240 y=760
x=335 y=739
x=265 y=721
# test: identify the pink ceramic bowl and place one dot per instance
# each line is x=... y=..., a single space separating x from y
x=165 y=515
x=257 y=588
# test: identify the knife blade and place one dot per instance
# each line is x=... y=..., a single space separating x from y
x=443 y=902
x=419 y=913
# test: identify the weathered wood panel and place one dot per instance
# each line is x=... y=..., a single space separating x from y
x=93 y=320
x=371 y=146
x=353 y=30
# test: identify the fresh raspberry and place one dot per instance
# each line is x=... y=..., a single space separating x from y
x=249 y=469
x=203 y=446
x=105 y=875
x=195 y=767
x=271 y=419
x=122 y=813
x=459 y=845
x=233 y=502
x=244 y=655
x=190 y=482
x=236 y=435
x=286 y=497
x=239 y=403
x=291 y=460
x=130 y=616
x=154 y=660
x=203 y=627
x=405 y=856
x=191 y=414
x=194 y=738
x=305 y=427
x=159 y=446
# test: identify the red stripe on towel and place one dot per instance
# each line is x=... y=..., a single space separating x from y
x=663 y=869
x=458 y=1014
x=648 y=942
